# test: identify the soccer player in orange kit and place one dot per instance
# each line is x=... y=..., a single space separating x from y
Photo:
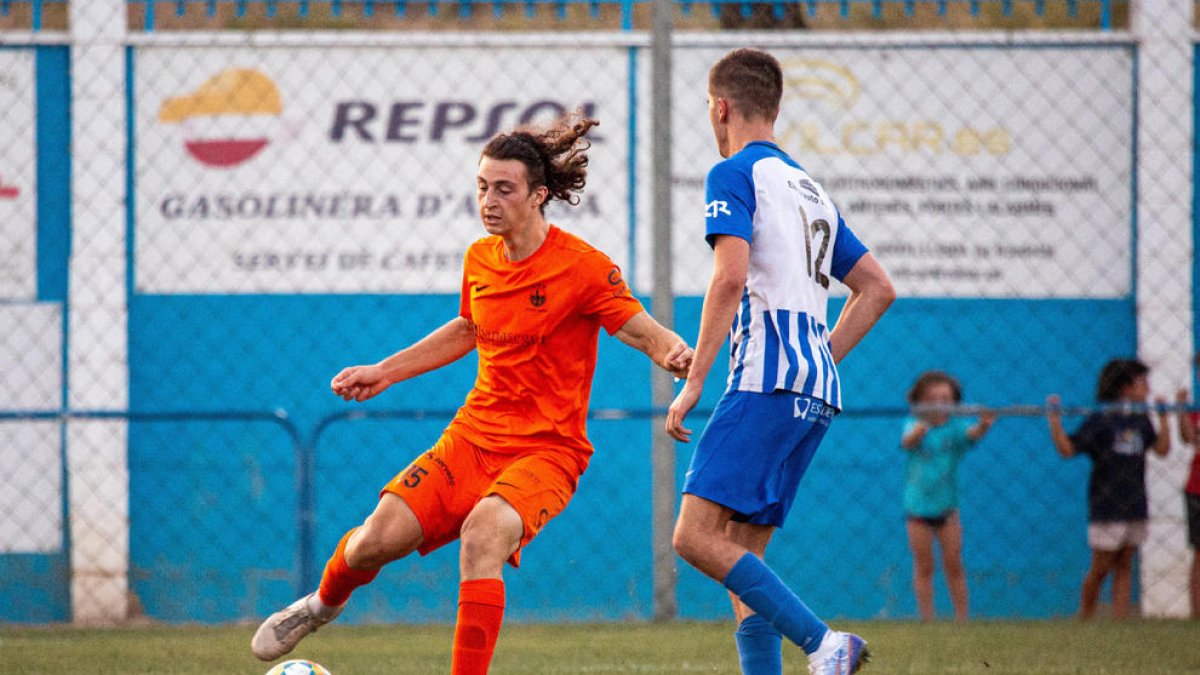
x=534 y=298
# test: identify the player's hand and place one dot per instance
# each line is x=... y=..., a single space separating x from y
x=679 y=360
x=680 y=407
x=359 y=383
x=987 y=418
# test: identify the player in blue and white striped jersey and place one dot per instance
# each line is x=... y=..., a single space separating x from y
x=777 y=241
x=799 y=241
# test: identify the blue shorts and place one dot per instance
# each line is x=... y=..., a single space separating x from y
x=754 y=452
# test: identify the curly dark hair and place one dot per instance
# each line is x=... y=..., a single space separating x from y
x=930 y=377
x=1116 y=375
x=554 y=156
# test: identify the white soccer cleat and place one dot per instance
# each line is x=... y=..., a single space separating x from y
x=283 y=630
x=848 y=656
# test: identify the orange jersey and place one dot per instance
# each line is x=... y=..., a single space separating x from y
x=536 y=325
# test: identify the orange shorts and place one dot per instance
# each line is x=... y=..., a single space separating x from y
x=447 y=481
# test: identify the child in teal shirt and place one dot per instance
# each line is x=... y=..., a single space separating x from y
x=935 y=443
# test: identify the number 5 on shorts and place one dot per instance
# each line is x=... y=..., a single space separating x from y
x=413 y=479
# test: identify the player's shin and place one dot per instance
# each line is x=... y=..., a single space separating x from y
x=759 y=647
x=480 y=613
x=763 y=591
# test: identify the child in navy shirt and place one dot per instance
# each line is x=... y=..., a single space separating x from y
x=1118 y=512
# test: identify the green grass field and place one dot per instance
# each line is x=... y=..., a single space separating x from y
x=981 y=647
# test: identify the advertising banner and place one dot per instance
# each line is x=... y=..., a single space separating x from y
x=968 y=171
x=18 y=176
x=350 y=170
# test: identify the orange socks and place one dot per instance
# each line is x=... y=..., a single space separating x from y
x=480 y=612
x=339 y=579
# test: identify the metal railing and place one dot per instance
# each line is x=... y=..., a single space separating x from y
x=306 y=446
x=150 y=9
x=149 y=12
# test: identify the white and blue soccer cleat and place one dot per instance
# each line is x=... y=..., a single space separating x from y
x=848 y=655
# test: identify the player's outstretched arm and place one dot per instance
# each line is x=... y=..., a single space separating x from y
x=871 y=293
x=664 y=347
x=449 y=343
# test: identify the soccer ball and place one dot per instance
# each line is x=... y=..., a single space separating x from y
x=298 y=667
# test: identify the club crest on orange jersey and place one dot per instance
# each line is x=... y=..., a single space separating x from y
x=538 y=297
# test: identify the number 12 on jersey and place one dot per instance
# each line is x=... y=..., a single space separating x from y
x=820 y=227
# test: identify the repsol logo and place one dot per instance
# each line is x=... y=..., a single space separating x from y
x=440 y=121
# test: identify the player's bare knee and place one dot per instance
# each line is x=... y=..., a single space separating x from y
x=688 y=544
x=490 y=534
x=482 y=553
x=482 y=549
x=379 y=541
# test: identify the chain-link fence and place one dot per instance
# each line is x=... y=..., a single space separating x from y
x=206 y=215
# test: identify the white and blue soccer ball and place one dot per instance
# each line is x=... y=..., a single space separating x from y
x=298 y=667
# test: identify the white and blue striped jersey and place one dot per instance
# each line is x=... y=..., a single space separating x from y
x=798 y=241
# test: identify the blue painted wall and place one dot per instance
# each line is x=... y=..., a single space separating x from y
x=214 y=523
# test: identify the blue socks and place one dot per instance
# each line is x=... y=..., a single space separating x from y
x=765 y=593
x=759 y=647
